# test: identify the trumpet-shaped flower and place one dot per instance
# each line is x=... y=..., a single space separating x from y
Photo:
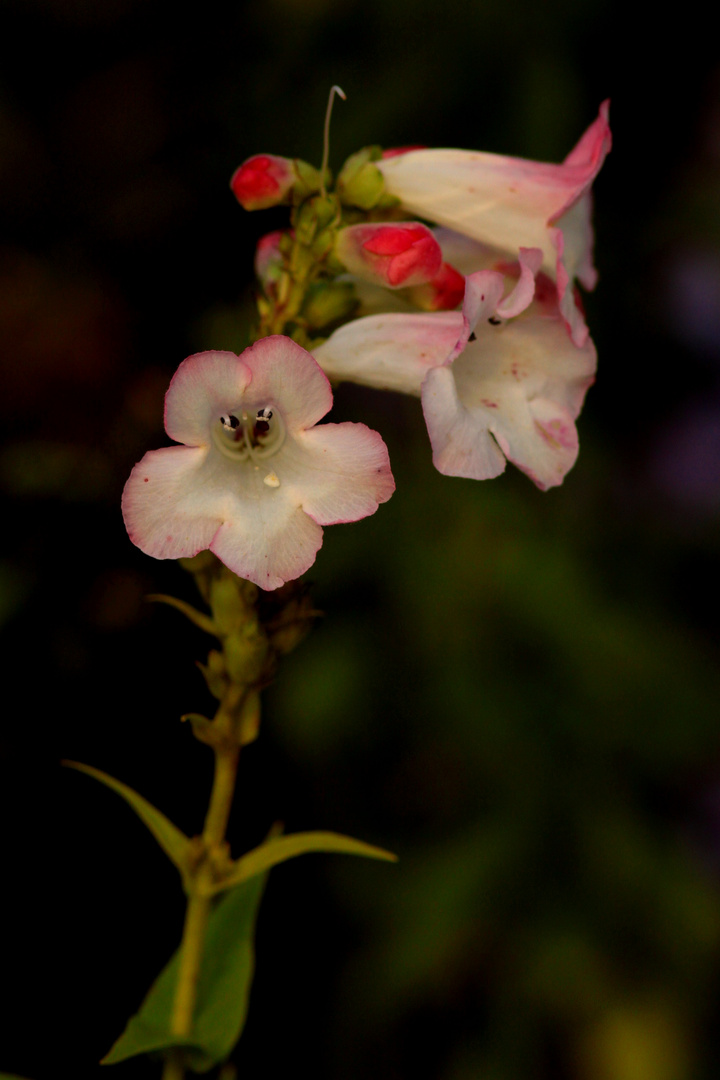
x=256 y=477
x=499 y=380
x=510 y=203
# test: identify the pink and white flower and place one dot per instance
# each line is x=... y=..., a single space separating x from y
x=510 y=203
x=499 y=381
x=255 y=479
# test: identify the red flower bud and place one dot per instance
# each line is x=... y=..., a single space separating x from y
x=262 y=181
x=443 y=293
x=397 y=255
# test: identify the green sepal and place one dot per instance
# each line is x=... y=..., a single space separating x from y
x=309 y=179
x=281 y=848
x=198 y=617
x=203 y=729
x=360 y=183
x=222 y=995
x=387 y=202
x=172 y=840
x=313 y=216
x=215 y=674
x=328 y=302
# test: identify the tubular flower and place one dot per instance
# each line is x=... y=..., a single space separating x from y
x=509 y=202
x=396 y=255
x=255 y=480
x=499 y=380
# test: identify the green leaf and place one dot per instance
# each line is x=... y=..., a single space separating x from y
x=174 y=843
x=198 y=617
x=223 y=989
x=281 y=848
x=11 y=1076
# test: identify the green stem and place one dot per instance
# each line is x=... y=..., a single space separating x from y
x=198 y=908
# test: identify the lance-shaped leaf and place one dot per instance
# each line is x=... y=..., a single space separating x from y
x=222 y=994
x=279 y=849
x=172 y=840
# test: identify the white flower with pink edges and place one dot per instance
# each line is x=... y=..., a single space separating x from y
x=255 y=477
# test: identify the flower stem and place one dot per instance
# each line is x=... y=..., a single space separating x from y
x=198 y=908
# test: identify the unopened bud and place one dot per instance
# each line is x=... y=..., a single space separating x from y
x=262 y=181
x=360 y=183
x=269 y=260
x=443 y=293
x=397 y=255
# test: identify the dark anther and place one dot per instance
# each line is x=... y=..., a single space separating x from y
x=493 y=321
x=473 y=336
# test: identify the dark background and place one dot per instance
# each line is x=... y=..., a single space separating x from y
x=515 y=691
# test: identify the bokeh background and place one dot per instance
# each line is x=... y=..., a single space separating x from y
x=516 y=691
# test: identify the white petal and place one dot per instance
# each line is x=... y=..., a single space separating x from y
x=167 y=511
x=390 y=352
x=204 y=387
x=341 y=472
x=461 y=442
x=277 y=544
x=285 y=375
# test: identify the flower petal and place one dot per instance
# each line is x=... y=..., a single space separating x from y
x=462 y=446
x=168 y=512
x=276 y=543
x=530 y=260
x=284 y=374
x=204 y=386
x=522 y=383
x=390 y=352
x=345 y=470
x=505 y=202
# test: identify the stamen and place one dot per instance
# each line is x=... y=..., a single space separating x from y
x=326 y=135
x=271 y=480
x=230 y=422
